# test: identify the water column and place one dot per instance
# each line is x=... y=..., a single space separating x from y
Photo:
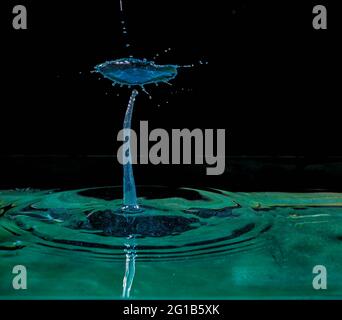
x=130 y=202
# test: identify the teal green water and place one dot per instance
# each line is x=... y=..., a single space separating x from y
x=186 y=244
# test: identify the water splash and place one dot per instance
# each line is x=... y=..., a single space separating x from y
x=136 y=72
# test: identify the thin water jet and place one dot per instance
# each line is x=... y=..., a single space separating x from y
x=130 y=202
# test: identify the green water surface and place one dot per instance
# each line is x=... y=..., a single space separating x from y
x=218 y=244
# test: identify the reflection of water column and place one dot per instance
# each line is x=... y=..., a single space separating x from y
x=129 y=193
x=129 y=272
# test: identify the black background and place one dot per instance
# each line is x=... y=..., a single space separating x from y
x=273 y=82
x=314 y=309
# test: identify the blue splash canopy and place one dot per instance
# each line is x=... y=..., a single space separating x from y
x=136 y=72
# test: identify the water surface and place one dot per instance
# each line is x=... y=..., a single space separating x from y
x=185 y=243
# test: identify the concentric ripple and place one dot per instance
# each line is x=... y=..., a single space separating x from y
x=175 y=224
